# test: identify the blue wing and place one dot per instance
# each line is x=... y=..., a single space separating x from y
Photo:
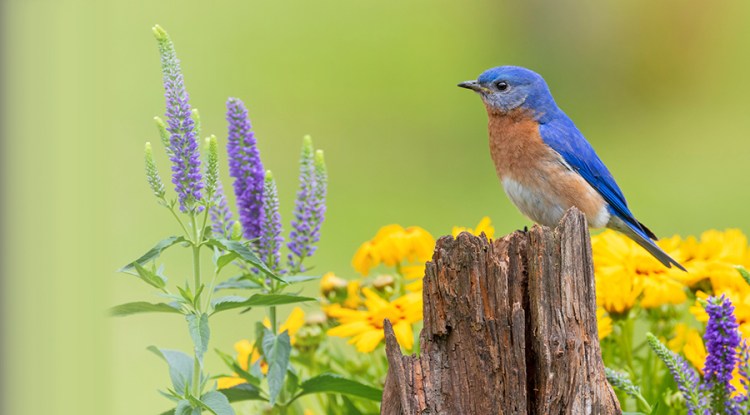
x=563 y=136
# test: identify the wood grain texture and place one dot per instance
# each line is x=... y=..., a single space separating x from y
x=509 y=328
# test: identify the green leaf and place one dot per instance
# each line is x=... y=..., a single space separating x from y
x=256 y=300
x=154 y=252
x=150 y=277
x=349 y=408
x=143 y=307
x=276 y=349
x=296 y=279
x=236 y=368
x=330 y=383
x=245 y=253
x=187 y=296
x=744 y=273
x=238 y=282
x=222 y=259
x=243 y=392
x=292 y=381
x=184 y=408
x=199 y=332
x=180 y=367
x=217 y=403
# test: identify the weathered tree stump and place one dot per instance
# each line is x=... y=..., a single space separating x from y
x=509 y=328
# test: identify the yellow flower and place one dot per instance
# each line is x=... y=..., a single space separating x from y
x=484 y=225
x=366 y=257
x=365 y=327
x=353 y=299
x=625 y=271
x=412 y=272
x=688 y=341
x=246 y=356
x=293 y=323
x=603 y=323
x=331 y=282
x=714 y=258
x=394 y=245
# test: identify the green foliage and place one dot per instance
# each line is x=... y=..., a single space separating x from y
x=153 y=253
x=216 y=403
x=744 y=273
x=152 y=278
x=256 y=300
x=276 y=350
x=143 y=307
x=199 y=332
x=243 y=392
x=330 y=383
x=180 y=368
x=243 y=252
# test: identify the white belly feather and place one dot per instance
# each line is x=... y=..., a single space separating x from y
x=546 y=208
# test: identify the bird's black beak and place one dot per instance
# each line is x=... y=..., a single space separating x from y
x=473 y=85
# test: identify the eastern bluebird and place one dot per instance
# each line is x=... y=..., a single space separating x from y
x=545 y=164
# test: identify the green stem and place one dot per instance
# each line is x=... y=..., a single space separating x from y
x=272 y=312
x=197 y=276
x=205 y=220
x=196 y=258
x=626 y=343
x=182 y=225
x=196 y=378
x=644 y=402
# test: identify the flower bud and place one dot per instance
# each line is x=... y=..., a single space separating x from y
x=152 y=173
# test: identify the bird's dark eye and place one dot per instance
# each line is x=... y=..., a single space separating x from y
x=502 y=86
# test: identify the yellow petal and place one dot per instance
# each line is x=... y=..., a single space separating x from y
x=349 y=329
x=365 y=258
x=295 y=321
x=603 y=323
x=404 y=334
x=485 y=225
x=373 y=301
x=369 y=340
x=228 y=382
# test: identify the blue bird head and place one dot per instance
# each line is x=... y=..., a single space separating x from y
x=505 y=89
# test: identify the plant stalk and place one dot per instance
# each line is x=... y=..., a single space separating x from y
x=197 y=275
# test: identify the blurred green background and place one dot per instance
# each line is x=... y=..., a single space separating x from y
x=659 y=88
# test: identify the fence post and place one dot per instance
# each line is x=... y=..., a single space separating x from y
x=509 y=328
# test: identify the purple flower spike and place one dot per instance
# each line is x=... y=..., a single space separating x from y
x=304 y=229
x=221 y=217
x=246 y=168
x=186 y=171
x=684 y=375
x=722 y=340
x=270 y=236
x=318 y=201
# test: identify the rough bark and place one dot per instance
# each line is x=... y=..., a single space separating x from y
x=509 y=328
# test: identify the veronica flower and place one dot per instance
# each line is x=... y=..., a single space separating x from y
x=309 y=210
x=684 y=376
x=152 y=173
x=222 y=221
x=722 y=341
x=270 y=229
x=245 y=167
x=186 y=173
x=744 y=371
